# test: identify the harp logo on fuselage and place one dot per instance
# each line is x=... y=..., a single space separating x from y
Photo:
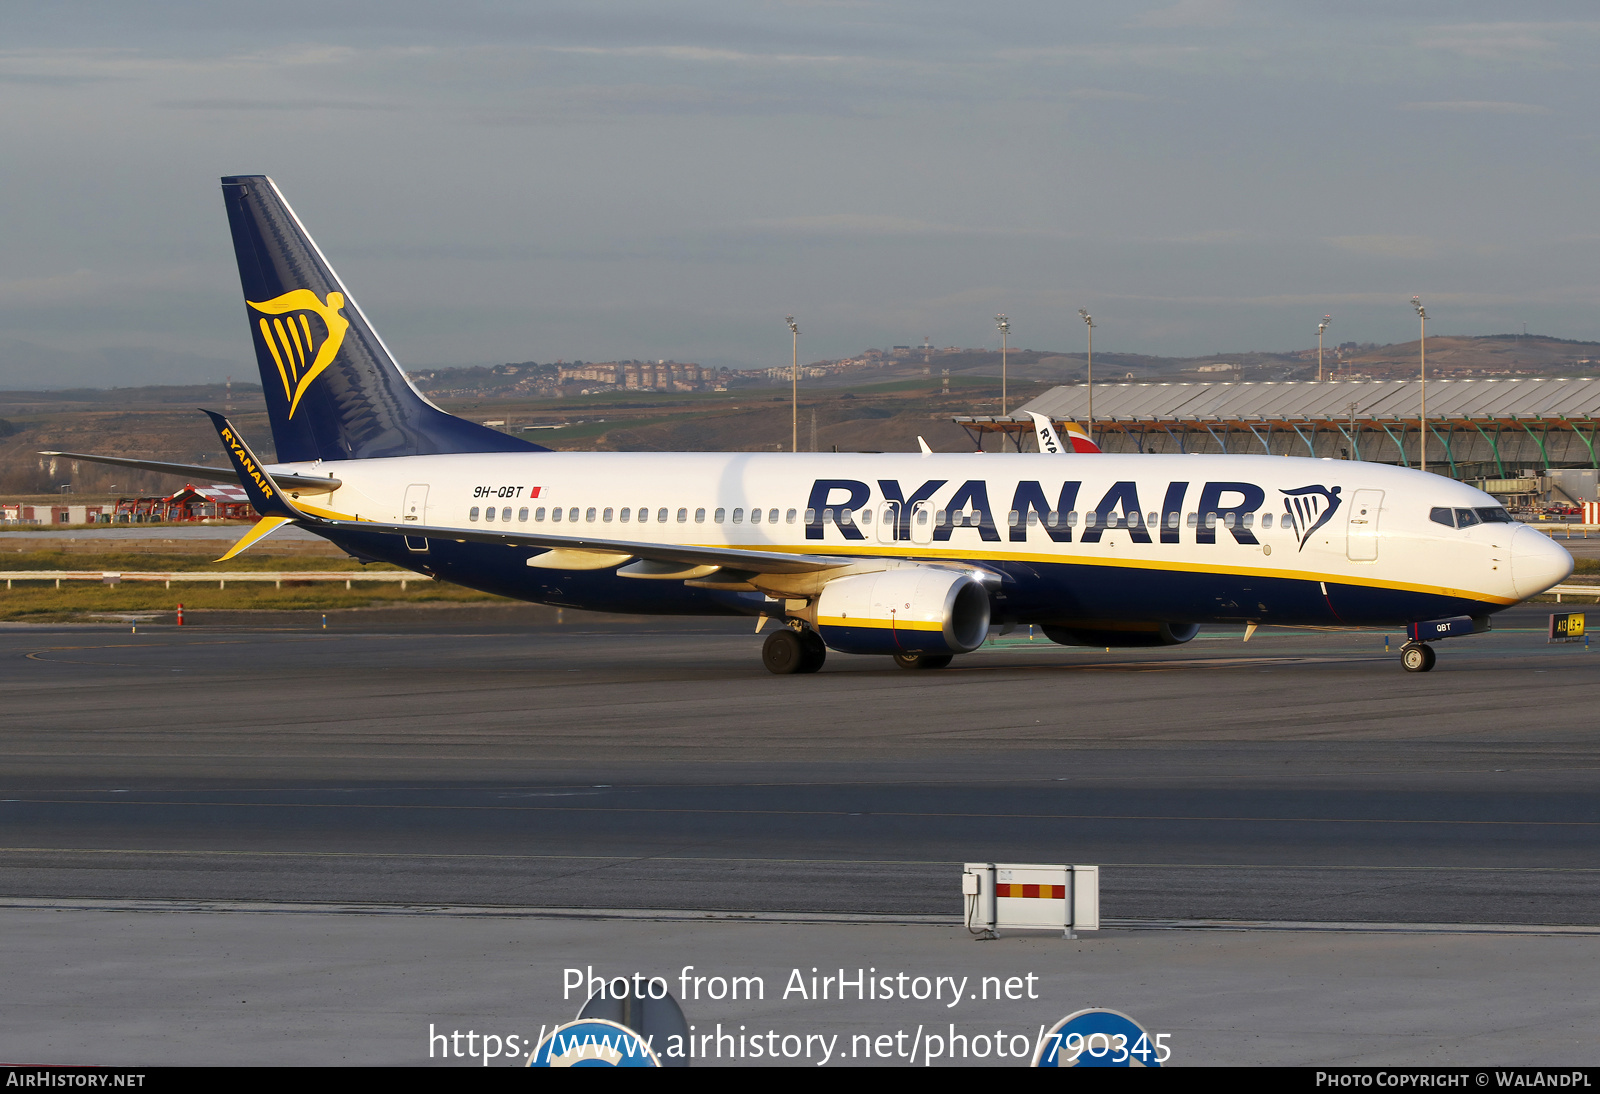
x=303 y=334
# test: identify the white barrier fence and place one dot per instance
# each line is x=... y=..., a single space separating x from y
x=221 y=577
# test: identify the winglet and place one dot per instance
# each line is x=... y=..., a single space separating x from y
x=264 y=494
x=926 y=451
x=263 y=528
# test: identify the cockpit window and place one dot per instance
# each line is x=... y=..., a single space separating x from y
x=1466 y=518
x=1494 y=515
x=1445 y=517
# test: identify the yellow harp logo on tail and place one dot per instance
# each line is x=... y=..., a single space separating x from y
x=301 y=346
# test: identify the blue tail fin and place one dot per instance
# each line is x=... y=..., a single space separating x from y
x=333 y=392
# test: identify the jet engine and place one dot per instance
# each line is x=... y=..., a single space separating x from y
x=913 y=609
x=1123 y=634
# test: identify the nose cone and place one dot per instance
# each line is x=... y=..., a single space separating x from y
x=1537 y=562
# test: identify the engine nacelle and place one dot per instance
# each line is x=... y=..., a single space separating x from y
x=915 y=609
x=1124 y=634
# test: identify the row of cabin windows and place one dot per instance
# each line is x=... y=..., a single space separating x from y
x=625 y=515
x=961 y=518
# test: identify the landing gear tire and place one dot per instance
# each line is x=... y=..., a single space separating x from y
x=784 y=653
x=922 y=660
x=1417 y=657
x=816 y=651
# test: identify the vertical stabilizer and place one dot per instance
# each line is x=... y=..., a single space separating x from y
x=333 y=391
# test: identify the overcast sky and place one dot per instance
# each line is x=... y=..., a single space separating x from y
x=515 y=181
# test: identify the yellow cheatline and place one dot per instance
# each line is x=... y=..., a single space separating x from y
x=937 y=556
x=263 y=528
x=879 y=624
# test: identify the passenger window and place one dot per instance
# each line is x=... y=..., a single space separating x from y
x=1266 y=520
x=718 y=515
x=1466 y=518
x=827 y=516
x=1174 y=519
x=1072 y=518
x=866 y=516
x=845 y=516
x=522 y=515
x=555 y=514
x=472 y=514
x=1033 y=518
x=1229 y=520
x=623 y=516
x=1051 y=518
x=1211 y=520
x=922 y=517
x=755 y=516
x=1249 y=519
x=589 y=516
x=538 y=514
x=606 y=516
x=772 y=517
x=1013 y=519
x=572 y=514
x=683 y=515
x=488 y=514
x=1131 y=520
x=1153 y=520
x=738 y=516
x=1442 y=516
x=1090 y=519
x=1194 y=520
x=661 y=516
x=699 y=516
x=505 y=514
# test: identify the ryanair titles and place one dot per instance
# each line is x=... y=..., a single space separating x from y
x=1228 y=506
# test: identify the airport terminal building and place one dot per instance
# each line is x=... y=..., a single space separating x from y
x=1525 y=439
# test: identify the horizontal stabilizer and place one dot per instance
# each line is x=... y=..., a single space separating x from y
x=199 y=472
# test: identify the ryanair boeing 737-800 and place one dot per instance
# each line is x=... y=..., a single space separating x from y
x=913 y=556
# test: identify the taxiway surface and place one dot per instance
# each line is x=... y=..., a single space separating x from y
x=1303 y=776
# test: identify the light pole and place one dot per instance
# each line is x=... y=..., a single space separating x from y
x=794 y=376
x=1422 y=351
x=1322 y=326
x=1088 y=321
x=1005 y=329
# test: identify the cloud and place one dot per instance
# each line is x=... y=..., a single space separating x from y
x=708 y=55
x=1477 y=106
x=1191 y=13
x=1100 y=94
x=1385 y=246
x=1497 y=41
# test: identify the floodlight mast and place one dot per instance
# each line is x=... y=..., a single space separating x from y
x=1422 y=351
x=1322 y=326
x=1088 y=321
x=1005 y=329
x=794 y=377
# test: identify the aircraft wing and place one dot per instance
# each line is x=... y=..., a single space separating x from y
x=198 y=472
x=270 y=502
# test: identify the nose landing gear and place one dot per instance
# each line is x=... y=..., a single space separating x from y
x=1417 y=657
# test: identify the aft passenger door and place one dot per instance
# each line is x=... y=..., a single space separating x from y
x=1362 y=542
x=415 y=511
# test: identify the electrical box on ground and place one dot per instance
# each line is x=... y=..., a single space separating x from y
x=1020 y=896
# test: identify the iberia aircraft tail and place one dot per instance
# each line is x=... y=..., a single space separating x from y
x=1051 y=442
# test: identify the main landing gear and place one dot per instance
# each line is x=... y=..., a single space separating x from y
x=922 y=660
x=1417 y=656
x=789 y=651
